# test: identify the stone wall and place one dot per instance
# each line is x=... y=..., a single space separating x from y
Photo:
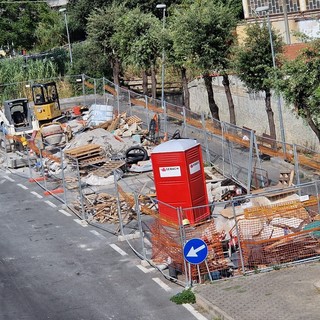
x=250 y=111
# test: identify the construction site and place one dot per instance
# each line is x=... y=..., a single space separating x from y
x=158 y=176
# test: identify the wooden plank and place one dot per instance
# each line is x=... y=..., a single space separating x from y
x=133 y=119
x=74 y=152
x=92 y=161
x=90 y=155
x=115 y=123
x=108 y=167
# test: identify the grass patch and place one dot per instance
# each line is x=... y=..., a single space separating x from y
x=276 y=267
x=185 y=296
x=256 y=270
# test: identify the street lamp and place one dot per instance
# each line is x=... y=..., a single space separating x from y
x=283 y=139
x=163 y=7
x=64 y=10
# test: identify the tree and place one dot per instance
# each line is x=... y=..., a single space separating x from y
x=203 y=34
x=149 y=6
x=49 y=32
x=102 y=25
x=176 y=55
x=88 y=59
x=18 y=22
x=254 y=65
x=300 y=85
x=137 y=37
x=79 y=12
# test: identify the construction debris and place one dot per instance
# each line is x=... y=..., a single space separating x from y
x=106 y=140
x=86 y=155
x=103 y=208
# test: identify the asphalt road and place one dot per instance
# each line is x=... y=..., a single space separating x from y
x=53 y=267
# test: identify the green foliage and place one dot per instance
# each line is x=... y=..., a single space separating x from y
x=79 y=11
x=185 y=296
x=137 y=38
x=256 y=270
x=102 y=25
x=13 y=71
x=149 y=5
x=88 y=58
x=253 y=58
x=202 y=34
x=18 y=22
x=300 y=84
x=276 y=267
x=50 y=32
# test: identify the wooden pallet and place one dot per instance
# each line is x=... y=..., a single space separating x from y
x=91 y=155
x=133 y=119
x=92 y=161
x=106 y=169
x=81 y=151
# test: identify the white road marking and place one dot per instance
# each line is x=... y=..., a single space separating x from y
x=37 y=194
x=96 y=233
x=162 y=284
x=50 y=204
x=147 y=242
x=8 y=178
x=119 y=250
x=65 y=213
x=22 y=186
x=144 y=269
x=81 y=222
x=194 y=312
x=2 y=181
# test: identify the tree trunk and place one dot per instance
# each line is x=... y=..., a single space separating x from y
x=311 y=124
x=214 y=109
x=270 y=115
x=115 y=64
x=186 y=95
x=144 y=82
x=226 y=84
x=153 y=82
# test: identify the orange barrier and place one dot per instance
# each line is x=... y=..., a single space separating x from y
x=51 y=192
x=37 y=179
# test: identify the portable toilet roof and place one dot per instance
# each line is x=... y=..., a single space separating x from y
x=175 y=145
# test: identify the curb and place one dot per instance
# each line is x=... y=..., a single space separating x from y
x=212 y=309
x=131 y=236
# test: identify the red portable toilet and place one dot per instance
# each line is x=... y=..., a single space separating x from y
x=179 y=180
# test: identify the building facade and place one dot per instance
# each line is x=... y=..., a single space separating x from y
x=287 y=16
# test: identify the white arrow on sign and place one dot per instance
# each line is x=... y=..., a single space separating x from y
x=193 y=252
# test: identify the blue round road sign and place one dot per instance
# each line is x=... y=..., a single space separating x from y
x=195 y=251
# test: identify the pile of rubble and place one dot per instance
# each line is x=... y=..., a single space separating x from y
x=99 y=151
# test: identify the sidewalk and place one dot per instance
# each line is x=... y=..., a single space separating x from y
x=291 y=293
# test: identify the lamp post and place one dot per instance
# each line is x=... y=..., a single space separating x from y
x=64 y=10
x=283 y=139
x=163 y=7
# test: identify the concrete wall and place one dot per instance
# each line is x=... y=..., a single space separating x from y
x=250 y=111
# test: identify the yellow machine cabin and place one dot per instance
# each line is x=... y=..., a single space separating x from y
x=46 y=101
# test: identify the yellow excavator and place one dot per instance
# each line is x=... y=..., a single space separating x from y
x=47 y=111
x=46 y=102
